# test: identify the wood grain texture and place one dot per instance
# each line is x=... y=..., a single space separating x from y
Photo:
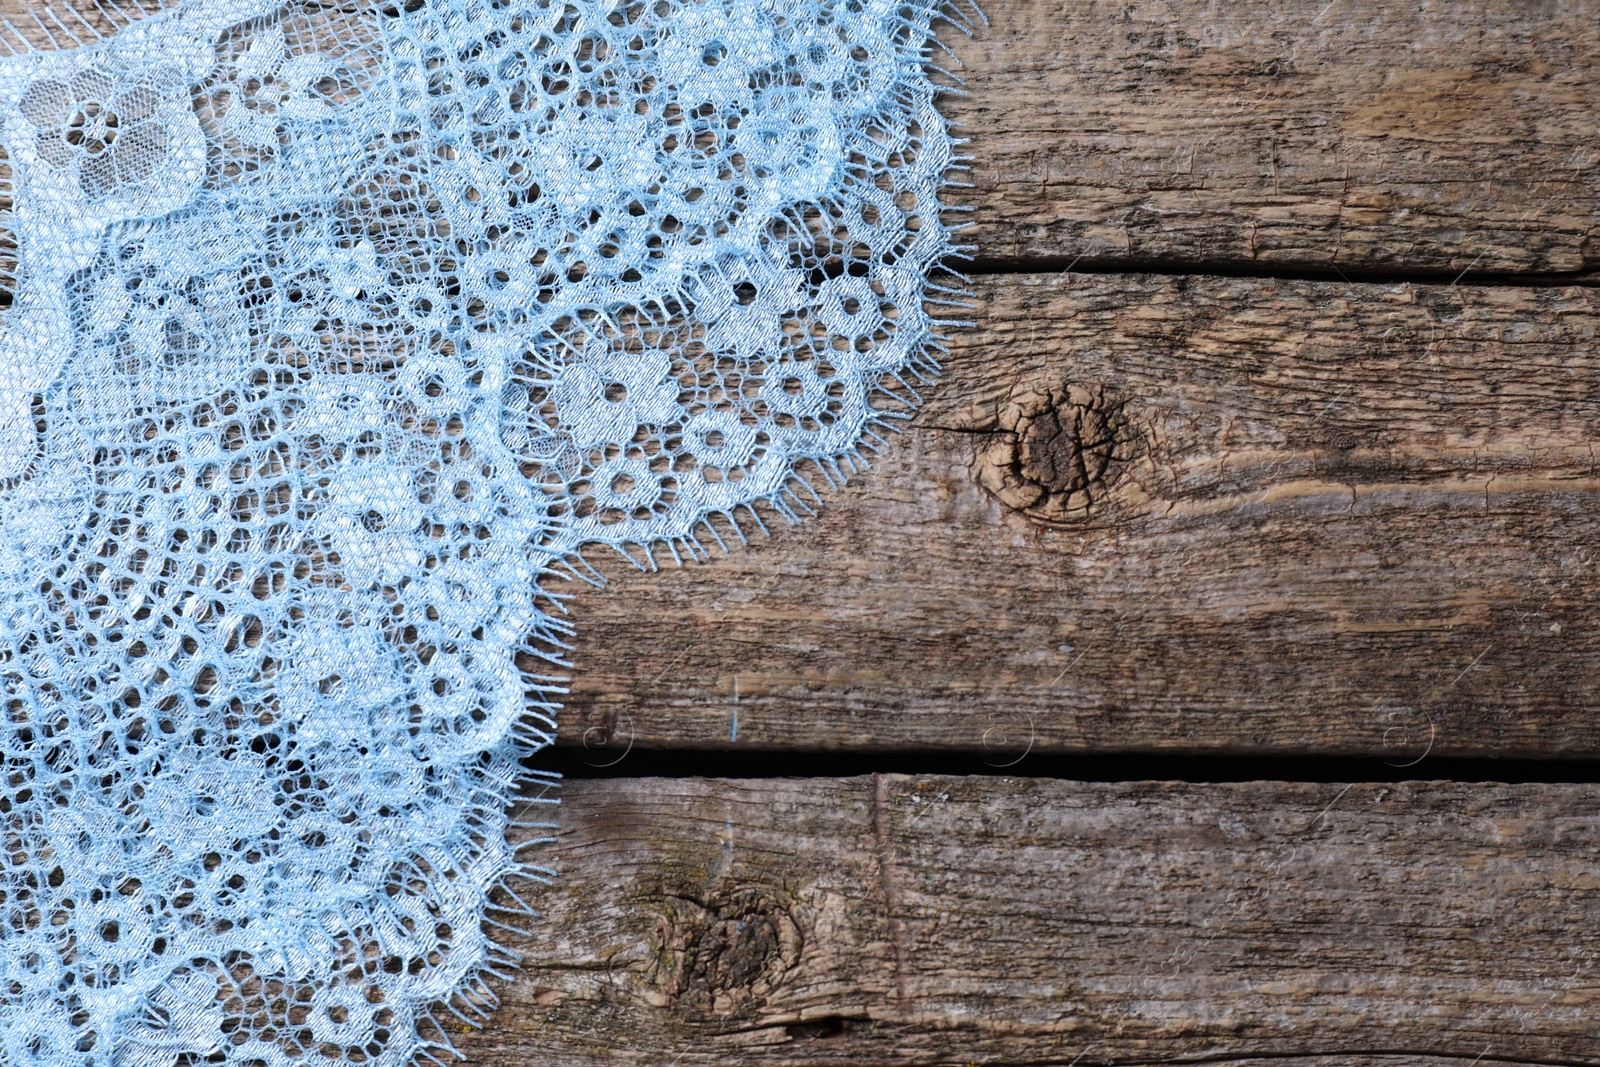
x=1177 y=514
x=1358 y=135
x=1338 y=519
x=893 y=920
x=1297 y=134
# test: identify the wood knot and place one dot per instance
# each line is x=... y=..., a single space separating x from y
x=724 y=956
x=1057 y=452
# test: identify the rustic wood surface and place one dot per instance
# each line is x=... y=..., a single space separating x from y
x=901 y=920
x=1296 y=134
x=1357 y=135
x=1185 y=514
x=1337 y=519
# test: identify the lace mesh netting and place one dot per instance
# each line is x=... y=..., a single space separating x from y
x=333 y=331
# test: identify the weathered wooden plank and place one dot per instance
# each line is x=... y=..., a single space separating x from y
x=1024 y=921
x=1291 y=134
x=1301 y=134
x=1332 y=518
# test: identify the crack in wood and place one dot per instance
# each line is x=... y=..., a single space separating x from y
x=889 y=883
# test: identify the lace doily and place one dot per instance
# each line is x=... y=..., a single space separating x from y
x=332 y=332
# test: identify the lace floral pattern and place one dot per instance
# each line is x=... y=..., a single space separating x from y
x=339 y=332
x=108 y=130
x=126 y=136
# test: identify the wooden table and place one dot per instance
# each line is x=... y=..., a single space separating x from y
x=1271 y=455
x=1145 y=703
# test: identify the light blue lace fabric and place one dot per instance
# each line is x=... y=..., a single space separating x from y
x=334 y=331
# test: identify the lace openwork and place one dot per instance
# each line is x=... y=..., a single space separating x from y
x=334 y=333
